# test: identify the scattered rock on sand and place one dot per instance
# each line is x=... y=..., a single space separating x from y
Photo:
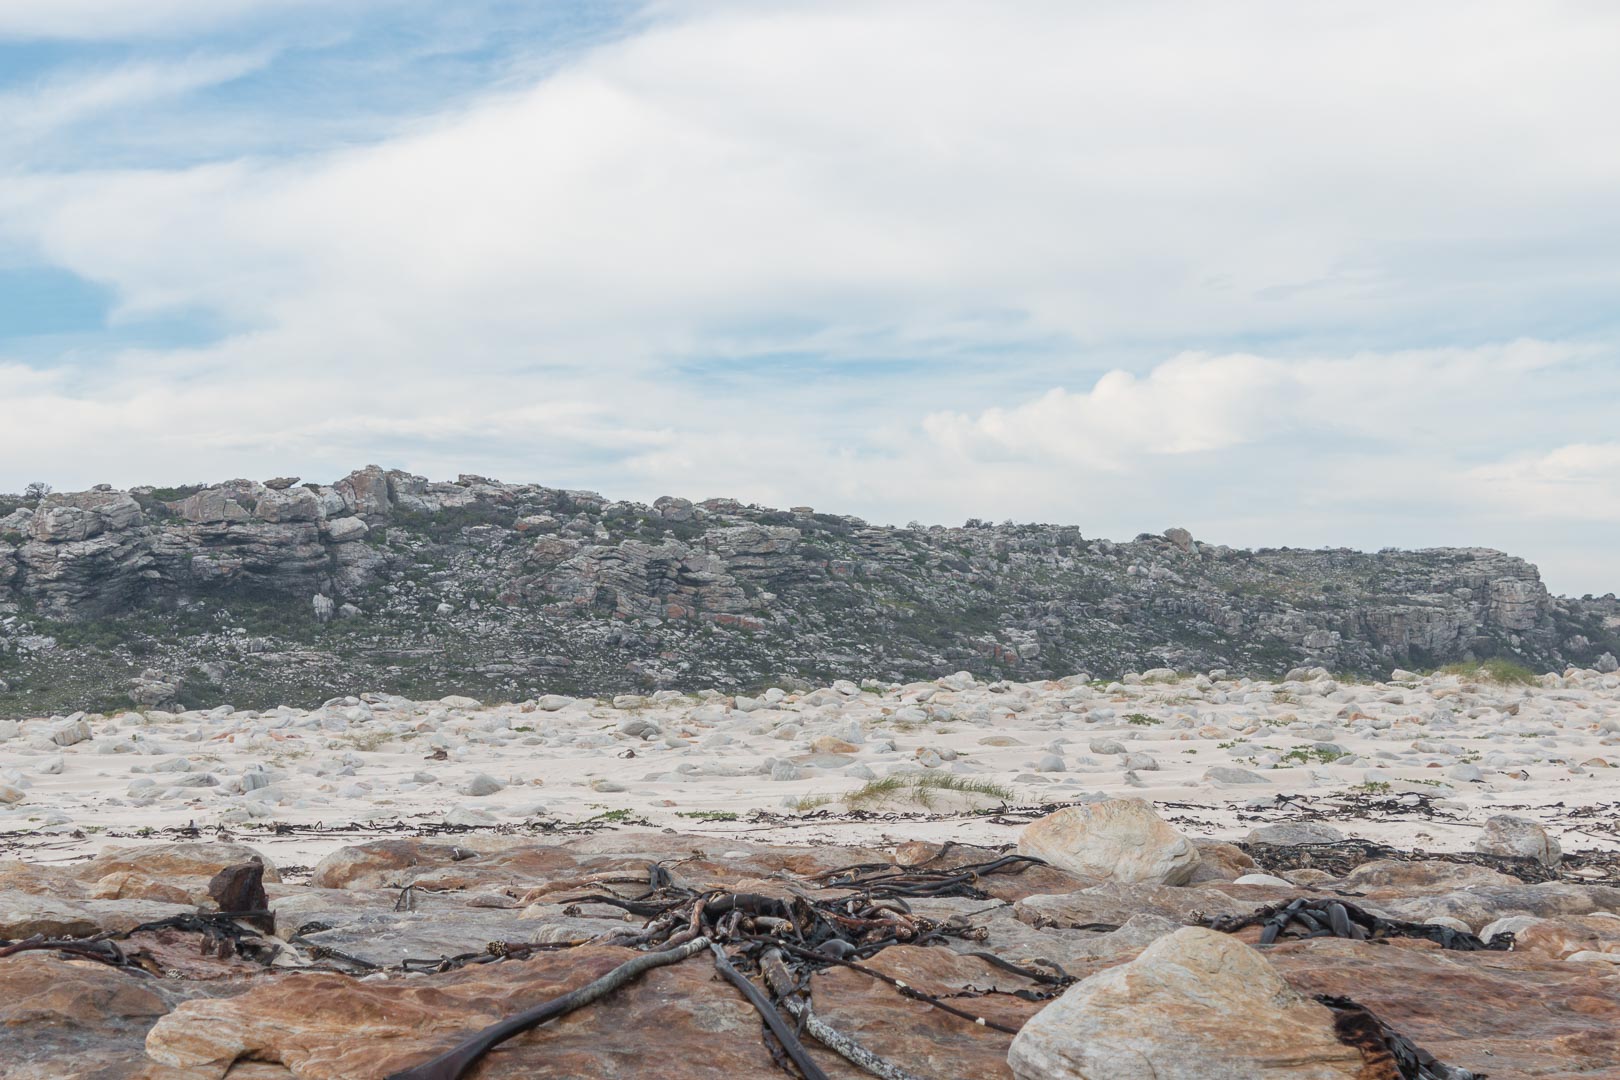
x=1294 y=832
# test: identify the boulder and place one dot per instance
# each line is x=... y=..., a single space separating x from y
x=1121 y=840
x=1520 y=838
x=1195 y=1005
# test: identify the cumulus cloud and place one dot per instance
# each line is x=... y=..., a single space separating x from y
x=1580 y=481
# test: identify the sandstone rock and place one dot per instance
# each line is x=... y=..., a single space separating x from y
x=1219 y=862
x=1120 y=840
x=1507 y=1014
x=1561 y=937
x=332 y=1027
x=1196 y=1005
x=23 y=915
x=67 y=1020
x=1508 y=835
x=173 y=861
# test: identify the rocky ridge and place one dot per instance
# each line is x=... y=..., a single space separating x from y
x=265 y=593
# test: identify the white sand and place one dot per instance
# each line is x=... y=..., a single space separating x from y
x=1543 y=752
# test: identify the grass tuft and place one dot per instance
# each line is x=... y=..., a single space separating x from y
x=922 y=789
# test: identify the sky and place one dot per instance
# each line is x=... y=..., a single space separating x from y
x=1280 y=274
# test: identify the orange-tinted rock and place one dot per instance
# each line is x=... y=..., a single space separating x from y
x=1502 y=1013
x=923 y=1040
x=1220 y=862
x=1563 y=936
x=678 y=1022
x=75 y=1020
x=170 y=861
x=131 y=885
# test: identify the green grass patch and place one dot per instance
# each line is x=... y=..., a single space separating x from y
x=1304 y=755
x=1506 y=672
x=1140 y=719
x=707 y=815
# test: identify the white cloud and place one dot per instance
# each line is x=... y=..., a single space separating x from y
x=520 y=286
x=99 y=20
x=65 y=99
x=1579 y=482
x=1197 y=403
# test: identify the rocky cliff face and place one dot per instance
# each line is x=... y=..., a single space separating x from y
x=249 y=591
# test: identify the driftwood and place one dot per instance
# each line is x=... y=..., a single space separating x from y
x=783 y=985
x=784 y=1035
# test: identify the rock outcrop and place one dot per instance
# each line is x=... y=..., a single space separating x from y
x=391 y=581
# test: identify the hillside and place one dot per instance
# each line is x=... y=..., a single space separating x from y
x=255 y=593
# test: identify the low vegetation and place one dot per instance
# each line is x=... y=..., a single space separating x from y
x=922 y=789
x=1506 y=672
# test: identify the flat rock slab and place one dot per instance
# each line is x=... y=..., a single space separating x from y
x=387 y=938
x=26 y=914
x=1502 y=1013
x=679 y=1021
x=76 y=1020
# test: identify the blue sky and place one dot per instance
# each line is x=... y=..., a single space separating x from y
x=1280 y=275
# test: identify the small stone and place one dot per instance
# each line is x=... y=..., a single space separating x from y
x=1051 y=763
x=466 y=815
x=1263 y=879
x=479 y=785
x=1288 y=833
x=1231 y=774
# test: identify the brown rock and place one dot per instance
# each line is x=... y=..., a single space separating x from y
x=1487 y=903
x=131 y=885
x=22 y=877
x=26 y=914
x=1563 y=936
x=1503 y=1013
x=1394 y=877
x=166 y=862
x=74 y=1020
x=330 y=1027
x=916 y=853
x=1219 y=861
x=919 y=1038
